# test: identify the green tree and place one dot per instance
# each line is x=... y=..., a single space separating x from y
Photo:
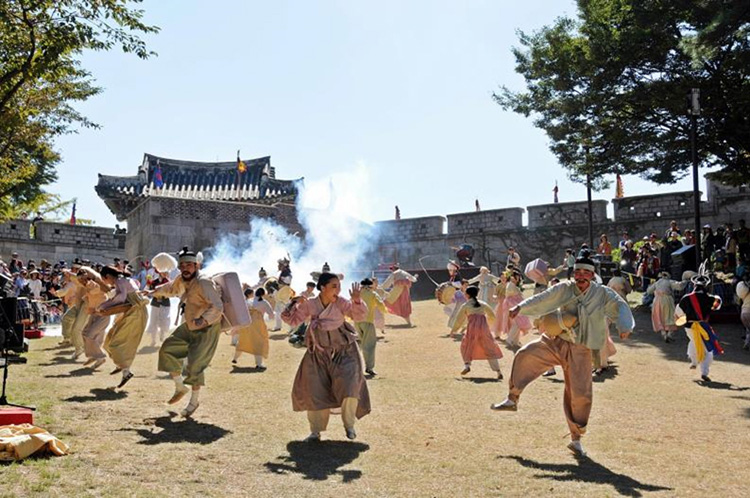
x=610 y=87
x=41 y=79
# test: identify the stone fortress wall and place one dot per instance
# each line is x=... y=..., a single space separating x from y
x=551 y=228
x=59 y=241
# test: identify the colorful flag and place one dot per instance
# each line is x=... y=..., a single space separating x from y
x=619 y=190
x=555 y=190
x=73 y=215
x=241 y=167
x=158 y=180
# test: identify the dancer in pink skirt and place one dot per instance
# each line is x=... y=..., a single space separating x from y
x=519 y=325
x=477 y=343
x=398 y=301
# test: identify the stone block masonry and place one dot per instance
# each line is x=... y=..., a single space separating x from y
x=162 y=224
x=59 y=241
x=551 y=227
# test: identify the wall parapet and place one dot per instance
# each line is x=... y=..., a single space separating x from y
x=492 y=220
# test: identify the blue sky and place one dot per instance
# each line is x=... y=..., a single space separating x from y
x=403 y=87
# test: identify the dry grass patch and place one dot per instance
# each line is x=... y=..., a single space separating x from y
x=431 y=433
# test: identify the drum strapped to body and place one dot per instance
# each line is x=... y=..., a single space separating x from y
x=445 y=293
x=557 y=322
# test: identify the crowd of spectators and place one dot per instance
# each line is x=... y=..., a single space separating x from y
x=40 y=281
x=727 y=250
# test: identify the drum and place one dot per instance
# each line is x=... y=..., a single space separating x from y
x=557 y=322
x=445 y=292
x=235 y=312
x=537 y=271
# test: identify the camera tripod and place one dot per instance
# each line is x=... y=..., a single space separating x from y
x=3 y=398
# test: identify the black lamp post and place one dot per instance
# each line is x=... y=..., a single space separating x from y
x=588 y=197
x=694 y=110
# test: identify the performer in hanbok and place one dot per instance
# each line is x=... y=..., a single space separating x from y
x=253 y=339
x=518 y=325
x=309 y=291
x=398 y=301
x=601 y=358
x=694 y=311
x=459 y=298
x=379 y=314
x=262 y=278
x=589 y=304
x=743 y=294
x=366 y=328
x=486 y=282
x=502 y=283
x=196 y=338
x=125 y=335
x=662 y=309
x=477 y=343
x=284 y=293
x=97 y=324
x=330 y=374
x=159 y=311
x=76 y=316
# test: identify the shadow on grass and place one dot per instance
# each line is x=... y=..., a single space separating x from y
x=587 y=470
x=479 y=380
x=98 y=394
x=400 y=326
x=148 y=349
x=278 y=337
x=318 y=461
x=78 y=372
x=180 y=430
x=723 y=386
x=608 y=374
x=245 y=370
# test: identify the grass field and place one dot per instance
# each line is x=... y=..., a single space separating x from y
x=654 y=428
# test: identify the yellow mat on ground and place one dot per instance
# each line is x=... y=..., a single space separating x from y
x=19 y=441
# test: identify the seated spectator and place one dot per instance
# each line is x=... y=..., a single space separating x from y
x=605 y=248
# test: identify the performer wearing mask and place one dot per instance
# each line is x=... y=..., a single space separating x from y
x=125 y=335
x=254 y=338
x=330 y=374
x=694 y=311
x=196 y=338
x=366 y=328
x=590 y=304
x=477 y=343
x=398 y=301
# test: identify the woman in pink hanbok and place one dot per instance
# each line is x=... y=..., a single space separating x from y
x=477 y=343
x=330 y=375
x=520 y=325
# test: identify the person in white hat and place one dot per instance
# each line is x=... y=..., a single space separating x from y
x=590 y=304
x=196 y=338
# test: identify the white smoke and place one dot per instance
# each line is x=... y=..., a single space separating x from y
x=335 y=213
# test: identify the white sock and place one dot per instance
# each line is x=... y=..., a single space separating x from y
x=194 y=396
x=178 y=384
x=125 y=372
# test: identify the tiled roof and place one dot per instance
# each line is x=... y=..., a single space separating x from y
x=195 y=180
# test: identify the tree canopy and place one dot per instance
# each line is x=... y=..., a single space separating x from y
x=610 y=87
x=41 y=79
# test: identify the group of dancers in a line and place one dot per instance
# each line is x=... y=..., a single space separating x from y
x=330 y=376
x=574 y=316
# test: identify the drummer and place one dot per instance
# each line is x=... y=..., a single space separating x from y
x=570 y=349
